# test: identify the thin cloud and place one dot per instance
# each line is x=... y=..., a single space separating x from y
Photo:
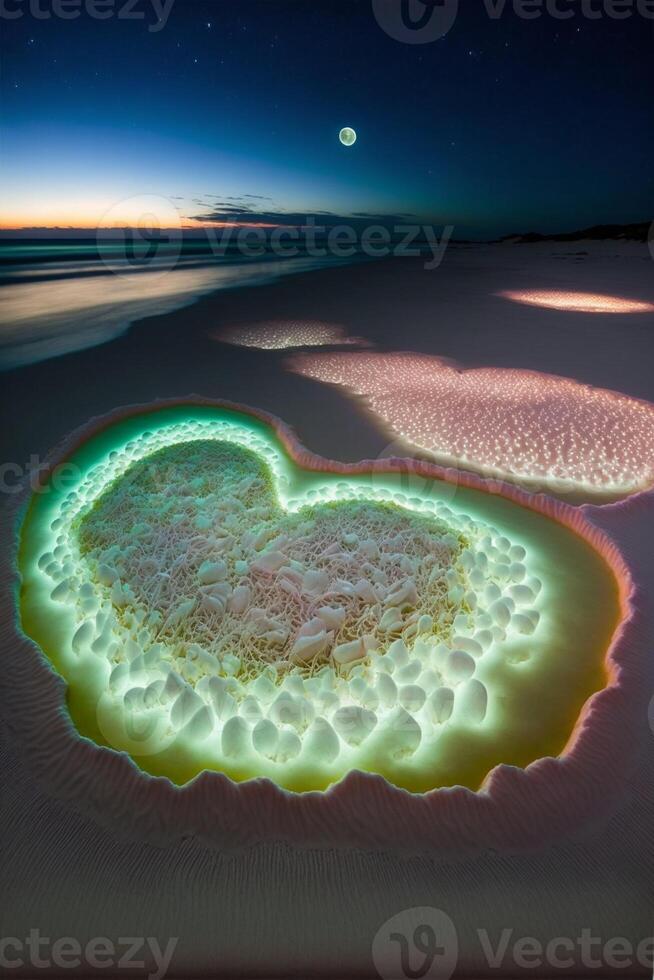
x=222 y=211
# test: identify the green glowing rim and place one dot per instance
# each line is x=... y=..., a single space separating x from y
x=581 y=593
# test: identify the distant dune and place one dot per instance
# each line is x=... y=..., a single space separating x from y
x=639 y=232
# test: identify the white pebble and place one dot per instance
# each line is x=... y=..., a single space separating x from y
x=174 y=685
x=133 y=699
x=391 y=621
x=306 y=648
x=185 y=706
x=210 y=572
x=440 y=704
x=200 y=726
x=224 y=704
x=83 y=636
x=269 y=562
x=484 y=638
x=409 y=673
x=387 y=690
x=522 y=624
x=107 y=575
x=289 y=746
x=406 y=733
x=398 y=653
x=521 y=594
x=332 y=616
x=239 y=599
x=460 y=666
x=347 y=653
x=467 y=643
x=265 y=737
x=235 y=738
x=412 y=697
x=250 y=709
x=492 y=593
x=354 y=723
x=500 y=613
x=152 y=693
x=472 y=700
x=264 y=688
x=119 y=674
x=321 y=741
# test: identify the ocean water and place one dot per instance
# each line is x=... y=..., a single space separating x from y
x=58 y=297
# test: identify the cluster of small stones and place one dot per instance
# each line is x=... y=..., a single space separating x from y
x=529 y=426
x=261 y=630
x=285 y=334
x=576 y=302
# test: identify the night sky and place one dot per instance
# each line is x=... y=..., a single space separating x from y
x=234 y=106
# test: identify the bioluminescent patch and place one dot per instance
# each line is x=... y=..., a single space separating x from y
x=213 y=605
x=286 y=334
x=577 y=302
x=544 y=432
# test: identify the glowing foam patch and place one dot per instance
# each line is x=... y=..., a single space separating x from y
x=553 y=299
x=552 y=433
x=213 y=605
x=284 y=334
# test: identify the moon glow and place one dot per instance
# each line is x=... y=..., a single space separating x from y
x=347 y=136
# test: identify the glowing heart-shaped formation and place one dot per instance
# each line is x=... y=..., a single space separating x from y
x=214 y=610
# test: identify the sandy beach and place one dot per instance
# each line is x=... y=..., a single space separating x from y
x=327 y=489
x=601 y=881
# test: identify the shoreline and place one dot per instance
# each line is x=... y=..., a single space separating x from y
x=394 y=303
x=74 y=311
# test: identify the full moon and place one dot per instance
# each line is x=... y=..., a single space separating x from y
x=347 y=136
